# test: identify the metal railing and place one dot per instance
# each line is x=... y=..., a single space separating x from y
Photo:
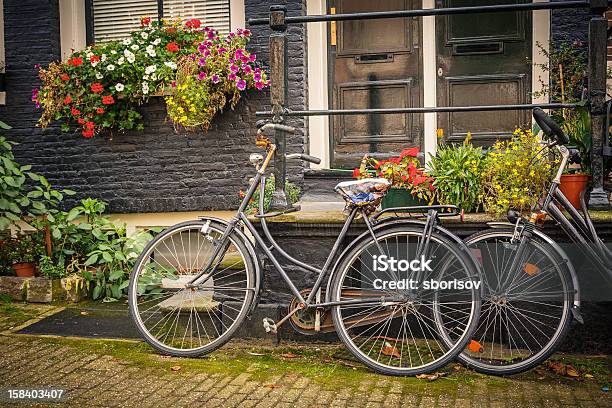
x=597 y=70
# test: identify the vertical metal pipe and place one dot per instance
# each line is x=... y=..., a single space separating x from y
x=278 y=99
x=598 y=26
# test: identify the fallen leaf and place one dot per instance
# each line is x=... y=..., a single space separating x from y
x=431 y=377
x=541 y=378
x=588 y=376
x=557 y=366
x=175 y=368
x=270 y=385
x=290 y=355
x=571 y=371
x=84 y=313
x=389 y=350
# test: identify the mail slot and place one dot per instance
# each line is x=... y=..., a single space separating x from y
x=478 y=48
x=371 y=58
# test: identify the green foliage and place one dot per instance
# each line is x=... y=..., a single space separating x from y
x=23 y=248
x=577 y=126
x=50 y=269
x=514 y=175
x=457 y=170
x=293 y=194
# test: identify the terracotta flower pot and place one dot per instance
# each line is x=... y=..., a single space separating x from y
x=25 y=270
x=572 y=185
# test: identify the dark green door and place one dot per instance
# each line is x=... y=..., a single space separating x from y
x=483 y=59
x=374 y=64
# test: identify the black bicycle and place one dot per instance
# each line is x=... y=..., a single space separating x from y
x=404 y=296
x=531 y=287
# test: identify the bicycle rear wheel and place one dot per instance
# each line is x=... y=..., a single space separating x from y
x=186 y=321
x=525 y=313
x=399 y=335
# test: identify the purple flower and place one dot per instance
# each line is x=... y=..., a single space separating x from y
x=215 y=78
x=234 y=68
x=252 y=57
x=247 y=69
x=244 y=59
x=222 y=50
x=206 y=53
x=239 y=53
x=210 y=35
x=201 y=76
x=231 y=76
x=241 y=84
x=202 y=61
x=259 y=85
x=231 y=35
x=202 y=47
x=257 y=76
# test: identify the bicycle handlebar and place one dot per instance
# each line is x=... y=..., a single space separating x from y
x=550 y=127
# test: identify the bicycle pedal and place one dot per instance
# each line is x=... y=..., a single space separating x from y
x=269 y=325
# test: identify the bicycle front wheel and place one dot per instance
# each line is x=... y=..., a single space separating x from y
x=392 y=311
x=525 y=313
x=177 y=317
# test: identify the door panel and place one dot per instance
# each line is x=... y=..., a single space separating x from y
x=374 y=64
x=483 y=59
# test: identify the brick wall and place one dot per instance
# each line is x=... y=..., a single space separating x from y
x=155 y=170
x=570 y=24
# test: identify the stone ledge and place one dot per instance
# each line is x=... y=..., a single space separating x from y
x=42 y=290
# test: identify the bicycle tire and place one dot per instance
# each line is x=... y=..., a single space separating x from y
x=562 y=327
x=211 y=299
x=415 y=312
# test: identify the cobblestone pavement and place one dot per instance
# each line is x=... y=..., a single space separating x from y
x=98 y=373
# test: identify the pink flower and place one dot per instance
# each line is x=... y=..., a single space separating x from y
x=259 y=85
x=247 y=69
x=201 y=76
x=234 y=68
x=231 y=76
x=215 y=79
x=257 y=76
x=173 y=84
x=202 y=62
x=252 y=57
x=202 y=47
x=241 y=84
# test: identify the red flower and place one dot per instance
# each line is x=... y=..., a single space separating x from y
x=99 y=111
x=356 y=173
x=75 y=61
x=193 y=23
x=94 y=58
x=412 y=152
x=89 y=125
x=75 y=111
x=170 y=30
x=88 y=133
x=145 y=21
x=108 y=100
x=67 y=100
x=65 y=77
x=81 y=121
x=172 y=47
x=96 y=87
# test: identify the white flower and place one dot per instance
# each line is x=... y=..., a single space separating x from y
x=144 y=35
x=103 y=58
x=121 y=60
x=129 y=55
x=153 y=76
x=156 y=41
x=134 y=47
x=145 y=77
x=170 y=64
x=113 y=52
x=99 y=75
x=150 y=69
x=111 y=67
x=131 y=59
x=94 y=63
x=127 y=41
x=145 y=88
x=89 y=54
x=119 y=87
x=151 y=51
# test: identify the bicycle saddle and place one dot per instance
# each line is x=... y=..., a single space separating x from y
x=368 y=191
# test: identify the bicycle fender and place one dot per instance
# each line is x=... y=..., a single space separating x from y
x=564 y=256
x=251 y=248
x=394 y=223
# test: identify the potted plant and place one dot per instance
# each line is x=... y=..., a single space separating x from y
x=24 y=250
x=577 y=125
x=410 y=184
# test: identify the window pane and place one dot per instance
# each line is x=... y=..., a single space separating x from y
x=115 y=19
x=212 y=13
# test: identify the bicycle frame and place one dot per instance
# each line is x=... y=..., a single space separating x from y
x=241 y=217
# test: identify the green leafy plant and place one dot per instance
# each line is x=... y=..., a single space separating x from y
x=292 y=191
x=457 y=172
x=577 y=126
x=50 y=269
x=514 y=175
x=23 y=247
